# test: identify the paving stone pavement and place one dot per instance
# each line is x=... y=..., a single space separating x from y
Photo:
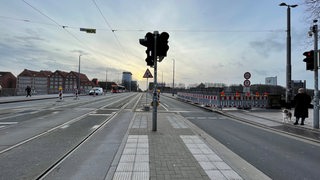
x=174 y=151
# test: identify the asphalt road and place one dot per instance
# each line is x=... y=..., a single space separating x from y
x=277 y=155
x=78 y=139
x=50 y=139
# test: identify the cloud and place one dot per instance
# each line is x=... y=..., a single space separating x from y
x=267 y=46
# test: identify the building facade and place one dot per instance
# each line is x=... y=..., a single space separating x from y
x=271 y=81
x=38 y=81
x=126 y=80
x=7 y=84
x=57 y=81
x=71 y=82
x=47 y=82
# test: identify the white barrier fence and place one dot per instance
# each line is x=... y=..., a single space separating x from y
x=226 y=101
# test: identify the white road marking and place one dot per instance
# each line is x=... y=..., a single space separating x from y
x=163 y=105
x=95 y=126
x=8 y=123
x=212 y=164
x=65 y=126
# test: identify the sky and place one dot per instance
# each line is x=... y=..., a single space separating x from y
x=211 y=41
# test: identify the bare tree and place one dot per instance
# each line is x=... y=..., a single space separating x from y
x=312 y=9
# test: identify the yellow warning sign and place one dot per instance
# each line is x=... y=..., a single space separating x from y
x=147 y=74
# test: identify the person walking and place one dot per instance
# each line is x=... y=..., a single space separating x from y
x=302 y=102
x=28 y=89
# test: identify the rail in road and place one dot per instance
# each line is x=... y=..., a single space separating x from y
x=258 y=142
x=70 y=131
x=268 y=119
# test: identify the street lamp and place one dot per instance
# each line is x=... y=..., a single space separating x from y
x=174 y=61
x=79 y=75
x=288 y=74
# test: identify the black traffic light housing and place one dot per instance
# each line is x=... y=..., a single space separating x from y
x=309 y=59
x=162 y=45
x=148 y=42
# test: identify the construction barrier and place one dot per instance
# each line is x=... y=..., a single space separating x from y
x=241 y=101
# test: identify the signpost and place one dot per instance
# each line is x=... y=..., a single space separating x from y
x=157 y=47
x=147 y=75
x=246 y=84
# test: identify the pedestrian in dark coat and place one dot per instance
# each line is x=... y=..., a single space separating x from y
x=302 y=102
x=28 y=89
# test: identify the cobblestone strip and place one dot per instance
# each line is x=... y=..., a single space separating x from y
x=140 y=122
x=134 y=161
x=176 y=123
x=212 y=164
x=169 y=157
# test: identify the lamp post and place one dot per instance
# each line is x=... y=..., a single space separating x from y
x=79 y=75
x=174 y=62
x=288 y=73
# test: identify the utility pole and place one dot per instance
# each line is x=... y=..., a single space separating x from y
x=314 y=29
x=288 y=78
x=155 y=84
x=79 y=86
x=173 y=76
x=288 y=68
x=157 y=46
x=106 y=80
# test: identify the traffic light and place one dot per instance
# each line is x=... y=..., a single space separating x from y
x=162 y=45
x=309 y=59
x=148 y=42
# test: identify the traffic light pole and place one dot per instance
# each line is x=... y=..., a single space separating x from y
x=316 y=90
x=155 y=84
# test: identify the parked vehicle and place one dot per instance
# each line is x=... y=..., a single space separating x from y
x=96 y=91
x=117 y=88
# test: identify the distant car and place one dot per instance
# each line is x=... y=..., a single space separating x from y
x=96 y=91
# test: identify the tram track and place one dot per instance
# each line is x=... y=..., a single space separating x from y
x=62 y=125
x=71 y=151
x=112 y=106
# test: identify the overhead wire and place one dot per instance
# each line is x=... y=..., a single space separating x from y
x=56 y=23
x=112 y=30
x=146 y=30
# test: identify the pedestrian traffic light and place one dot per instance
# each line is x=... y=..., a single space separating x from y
x=309 y=59
x=162 y=45
x=148 y=42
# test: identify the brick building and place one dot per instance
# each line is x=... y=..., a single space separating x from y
x=38 y=81
x=47 y=82
x=7 y=84
x=57 y=80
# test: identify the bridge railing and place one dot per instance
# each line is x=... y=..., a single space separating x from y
x=241 y=101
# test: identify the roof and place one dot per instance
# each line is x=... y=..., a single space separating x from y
x=61 y=73
x=30 y=73
x=3 y=73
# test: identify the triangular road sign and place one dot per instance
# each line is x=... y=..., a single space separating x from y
x=147 y=74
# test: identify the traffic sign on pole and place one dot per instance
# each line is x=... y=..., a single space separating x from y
x=247 y=75
x=247 y=83
x=147 y=74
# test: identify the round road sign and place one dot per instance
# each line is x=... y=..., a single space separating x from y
x=247 y=75
x=246 y=83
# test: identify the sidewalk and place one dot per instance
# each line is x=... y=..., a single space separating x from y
x=11 y=99
x=260 y=115
x=177 y=150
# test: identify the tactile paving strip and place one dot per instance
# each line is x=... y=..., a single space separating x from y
x=134 y=161
x=212 y=164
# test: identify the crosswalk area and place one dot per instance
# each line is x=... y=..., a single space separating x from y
x=172 y=152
